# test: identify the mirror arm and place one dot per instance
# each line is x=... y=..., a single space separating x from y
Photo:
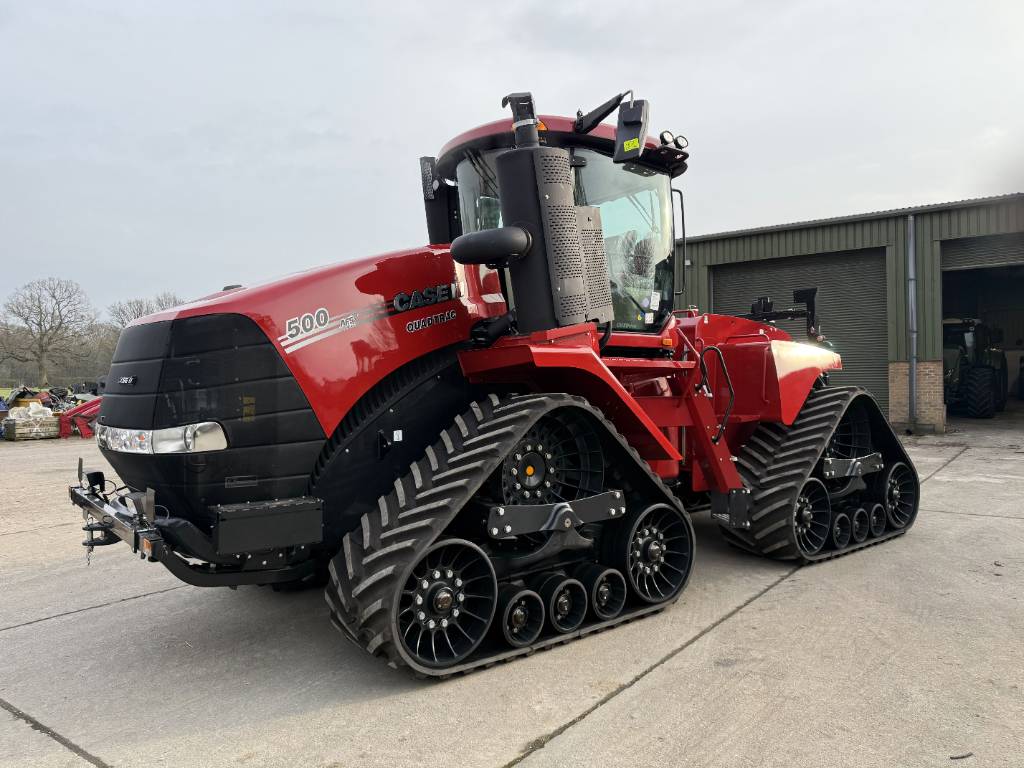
x=588 y=122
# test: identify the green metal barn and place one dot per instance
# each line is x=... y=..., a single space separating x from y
x=881 y=276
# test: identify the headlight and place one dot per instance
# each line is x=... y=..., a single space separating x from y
x=191 y=438
x=125 y=440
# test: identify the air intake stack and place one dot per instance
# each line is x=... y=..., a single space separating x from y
x=552 y=248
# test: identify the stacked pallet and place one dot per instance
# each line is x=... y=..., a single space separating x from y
x=31 y=429
x=32 y=423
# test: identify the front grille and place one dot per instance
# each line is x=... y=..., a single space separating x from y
x=211 y=368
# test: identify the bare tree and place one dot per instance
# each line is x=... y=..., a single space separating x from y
x=166 y=300
x=5 y=339
x=124 y=312
x=48 y=321
x=104 y=341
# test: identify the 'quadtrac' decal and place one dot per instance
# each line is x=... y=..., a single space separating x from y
x=430 y=320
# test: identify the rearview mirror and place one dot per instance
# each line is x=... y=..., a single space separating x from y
x=631 y=131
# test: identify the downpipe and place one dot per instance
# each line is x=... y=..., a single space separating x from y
x=912 y=319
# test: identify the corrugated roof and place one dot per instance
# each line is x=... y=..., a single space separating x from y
x=859 y=217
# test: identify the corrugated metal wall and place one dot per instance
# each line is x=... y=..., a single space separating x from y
x=887 y=230
x=988 y=251
x=853 y=315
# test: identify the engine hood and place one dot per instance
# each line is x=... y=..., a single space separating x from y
x=340 y=328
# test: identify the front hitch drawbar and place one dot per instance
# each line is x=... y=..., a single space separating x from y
x=130 y=517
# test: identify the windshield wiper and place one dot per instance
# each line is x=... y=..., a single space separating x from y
x=476 y=159
x=649 y=220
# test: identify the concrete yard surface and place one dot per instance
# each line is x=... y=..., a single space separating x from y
x=910 y=653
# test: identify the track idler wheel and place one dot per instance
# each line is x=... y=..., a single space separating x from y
x=654 y=550
x=877 y=520
x=812 y=517
x=606 y=588
x=842 y=528
x=861 y=524
x=447 y=603
x=898 y=490
x=565 y=600
x=520 y=615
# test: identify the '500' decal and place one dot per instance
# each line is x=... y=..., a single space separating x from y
x=307 y=323
x=311 y=327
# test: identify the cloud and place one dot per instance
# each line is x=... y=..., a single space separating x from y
x=188 y=145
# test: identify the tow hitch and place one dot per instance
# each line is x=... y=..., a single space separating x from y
x=111 y=518
x=122 y=514
x=91 y=540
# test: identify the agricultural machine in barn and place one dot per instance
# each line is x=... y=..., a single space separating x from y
x=483 y=446
x=975 y=374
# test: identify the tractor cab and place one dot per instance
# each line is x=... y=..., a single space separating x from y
x=633 y=196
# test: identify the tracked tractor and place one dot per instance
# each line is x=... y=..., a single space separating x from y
x=487 y=445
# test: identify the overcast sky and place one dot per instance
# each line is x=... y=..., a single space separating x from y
x=149 y=146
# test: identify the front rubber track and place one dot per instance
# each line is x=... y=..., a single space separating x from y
x=375 y=559
x=777 y=460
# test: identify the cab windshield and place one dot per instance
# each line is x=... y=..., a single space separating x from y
x=636 y=217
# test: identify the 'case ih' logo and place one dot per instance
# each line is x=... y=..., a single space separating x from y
x=432 y=294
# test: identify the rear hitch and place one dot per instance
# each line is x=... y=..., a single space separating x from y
x=104 y=540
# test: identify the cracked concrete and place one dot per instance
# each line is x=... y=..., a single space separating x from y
x=904 y=654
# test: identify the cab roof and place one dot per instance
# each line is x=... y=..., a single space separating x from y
x=602 y=138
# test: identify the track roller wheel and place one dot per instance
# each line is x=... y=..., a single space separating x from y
x=654 y=550
x=812 y=517
x=898 y=489
x=877 y=520
x=606 y=588
x=565 y=600
x=447 y=603
x=520 y=615
x=861 y=524
x=842 y=528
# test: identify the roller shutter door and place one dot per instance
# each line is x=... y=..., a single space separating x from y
x=989 y=251
x=851 y=306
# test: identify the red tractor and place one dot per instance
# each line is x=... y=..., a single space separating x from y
x=483 y=446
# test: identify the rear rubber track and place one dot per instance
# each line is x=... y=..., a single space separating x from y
x=776 y=462
x=375 y=559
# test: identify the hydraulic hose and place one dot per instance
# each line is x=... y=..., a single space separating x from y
x=728 y=383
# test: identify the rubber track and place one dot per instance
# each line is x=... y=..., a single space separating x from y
x=776 y=462
x=374 y=561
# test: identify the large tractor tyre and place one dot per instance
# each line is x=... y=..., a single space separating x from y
x=1004 y=390
x=981 y=393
